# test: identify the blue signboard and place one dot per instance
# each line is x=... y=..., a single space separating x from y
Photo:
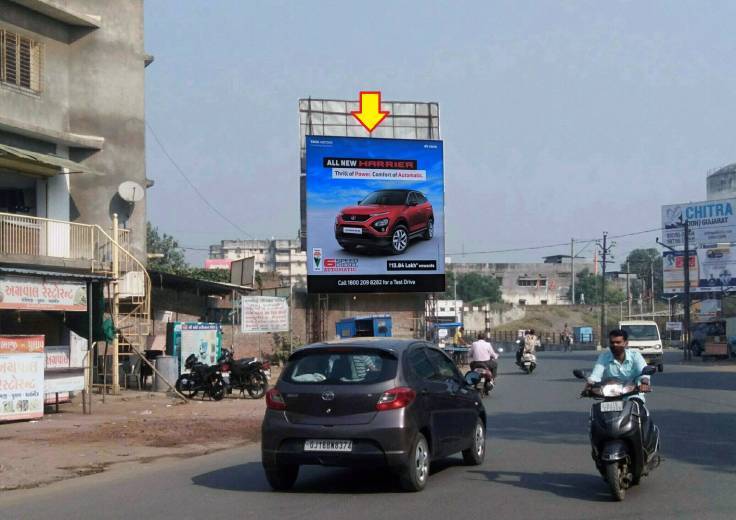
x=375 y=215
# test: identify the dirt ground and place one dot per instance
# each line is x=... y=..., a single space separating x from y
x=135 y=426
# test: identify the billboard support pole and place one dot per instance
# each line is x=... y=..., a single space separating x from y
x=686 y=350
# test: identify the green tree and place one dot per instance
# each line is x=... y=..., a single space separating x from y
x=641 y=262
x=589 y=284
x=476 y=288
x=166 y=245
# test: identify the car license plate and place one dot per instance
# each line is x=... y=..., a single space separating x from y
x=612 y=406
x=327 y=445
x=352 y=231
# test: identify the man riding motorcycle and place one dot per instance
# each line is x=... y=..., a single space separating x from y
x=482 y=355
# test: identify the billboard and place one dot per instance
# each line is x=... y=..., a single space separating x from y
x=375 y=215
x=262 y=314
x=333 y=117
x=711 y=222
x=712 y=269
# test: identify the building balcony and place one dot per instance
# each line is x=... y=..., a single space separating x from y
x=30 y=240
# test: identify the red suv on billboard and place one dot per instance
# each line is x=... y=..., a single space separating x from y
x=385 y=219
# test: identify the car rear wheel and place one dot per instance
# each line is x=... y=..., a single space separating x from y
x=415 y=473
x=281 y=477
x=399 y=240
x=474 y=456
x=429 y=232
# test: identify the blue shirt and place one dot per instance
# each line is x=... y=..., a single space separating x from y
x=608 y=367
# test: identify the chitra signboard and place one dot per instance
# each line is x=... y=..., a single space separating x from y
x=375 y=215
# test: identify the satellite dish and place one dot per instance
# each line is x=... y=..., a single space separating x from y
x=131 y=191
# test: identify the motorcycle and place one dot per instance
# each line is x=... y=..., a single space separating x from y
x=247 y=374
x=486 y=383
x=200 y=378
x=624 y=440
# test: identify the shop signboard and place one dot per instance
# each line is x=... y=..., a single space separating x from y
x=22 y=361
x=710 y=222
x=375 y=215
x=42 y=294
x=262 y=314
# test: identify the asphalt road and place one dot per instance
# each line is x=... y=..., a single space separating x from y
x=538 y=466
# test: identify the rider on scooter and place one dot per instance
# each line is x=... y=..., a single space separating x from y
x=622 y=364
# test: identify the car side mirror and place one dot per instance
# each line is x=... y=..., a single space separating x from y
x=580 y=374
x=649 y=370
x=472 y=378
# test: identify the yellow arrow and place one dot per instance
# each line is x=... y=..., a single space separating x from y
x=370 y=114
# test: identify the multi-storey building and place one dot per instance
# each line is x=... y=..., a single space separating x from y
x=72 y=130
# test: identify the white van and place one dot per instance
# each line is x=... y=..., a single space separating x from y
x=644 y=335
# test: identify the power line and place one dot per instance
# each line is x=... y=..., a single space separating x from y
x=199 y=194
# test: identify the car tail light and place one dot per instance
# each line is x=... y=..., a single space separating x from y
x=396 y=398
x=274 y=400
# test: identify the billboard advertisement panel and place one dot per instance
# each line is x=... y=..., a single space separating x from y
x=711 y=222
x=22 y=361
x=712 y=269
x=375 y=215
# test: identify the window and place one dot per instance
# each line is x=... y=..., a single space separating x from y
x=445 y=367
x=420 y=364
x=20 y=61
x=532 y=282
x=341 y=366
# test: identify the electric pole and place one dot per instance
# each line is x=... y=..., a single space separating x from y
x=605 y=251
x=572 y=270
x=686 y=269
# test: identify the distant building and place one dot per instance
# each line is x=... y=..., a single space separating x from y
x=282 y=256
x=538 y=283
x=721 y=184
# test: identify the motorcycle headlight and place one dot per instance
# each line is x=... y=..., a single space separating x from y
x=381 y=224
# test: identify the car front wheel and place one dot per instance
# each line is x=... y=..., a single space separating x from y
x=429 y=232
x=415 y=473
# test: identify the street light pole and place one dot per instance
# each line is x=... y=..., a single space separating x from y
x=686 y=350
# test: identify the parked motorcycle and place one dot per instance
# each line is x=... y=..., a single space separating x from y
x=486 y=383
x=200 y=378
x=246 y=374
x=624 y=439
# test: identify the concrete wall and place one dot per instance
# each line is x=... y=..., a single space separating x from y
x=476 y=319
x=92 y=85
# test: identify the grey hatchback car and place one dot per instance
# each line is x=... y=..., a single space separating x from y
x=384 y=402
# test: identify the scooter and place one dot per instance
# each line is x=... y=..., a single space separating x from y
x=528 y=362
x=624 y=440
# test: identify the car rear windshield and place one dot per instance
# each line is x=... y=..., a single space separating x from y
x=641 y=332
x=341 y=367
x=386 y=198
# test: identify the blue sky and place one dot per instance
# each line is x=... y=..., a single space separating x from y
x=560 y=118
